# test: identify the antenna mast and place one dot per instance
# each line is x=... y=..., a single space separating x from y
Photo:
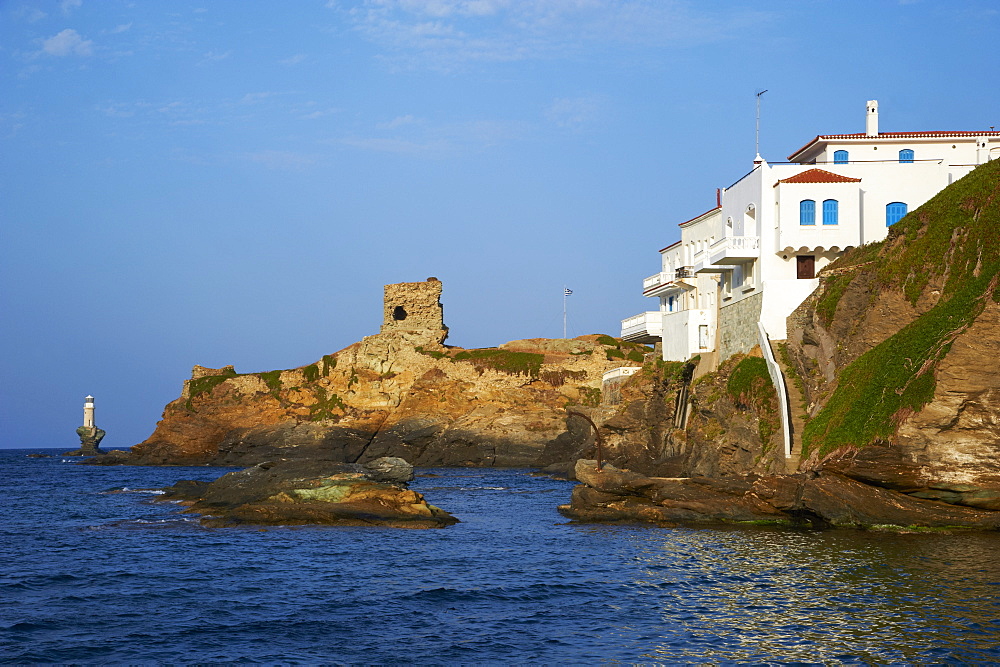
x=757 y=133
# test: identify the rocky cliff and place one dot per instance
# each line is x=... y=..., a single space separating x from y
x=401 y=392
x=895 y=358
x=896 y=353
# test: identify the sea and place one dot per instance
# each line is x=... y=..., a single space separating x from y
x=96 y=571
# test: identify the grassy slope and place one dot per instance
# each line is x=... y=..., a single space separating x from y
x=955 y=236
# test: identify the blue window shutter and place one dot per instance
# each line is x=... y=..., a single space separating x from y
x=906 y=155
x=840 y=157
x=807 y=212
x=894 y=212
x=830 y=212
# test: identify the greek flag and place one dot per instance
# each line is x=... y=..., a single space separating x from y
x=567 y=291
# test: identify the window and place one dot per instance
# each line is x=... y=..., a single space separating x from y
x=840 y=157
x=830 y=212
x=906 y=155
x=807 y=212
x=894 y=212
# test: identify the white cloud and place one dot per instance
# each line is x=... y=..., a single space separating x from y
x=399 y=121
x=573 y=113
x=413 y=136
x=29 y=14
x=313 y=115
x=68 y=6
x=120 y=28
x=212 y=56
x=117 y=110
x=383 y=145
x=444 y=34
x=293 y=60
x=67 y=43
x=280 y=159
x=251 y=98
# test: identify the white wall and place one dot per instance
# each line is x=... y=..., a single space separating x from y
x=680 y=333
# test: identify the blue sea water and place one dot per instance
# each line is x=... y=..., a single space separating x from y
x=95 y=572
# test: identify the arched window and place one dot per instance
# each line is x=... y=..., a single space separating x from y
x=894 y=212
x=840 y=157
x=906 y=155
x=807 y=212
x=830 y=212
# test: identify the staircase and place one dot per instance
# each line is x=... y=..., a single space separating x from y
x=797 y=423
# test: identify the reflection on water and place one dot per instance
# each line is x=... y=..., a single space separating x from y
x=875 y=597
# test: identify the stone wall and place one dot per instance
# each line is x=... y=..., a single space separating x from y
x=738 y=326
x=413 y=307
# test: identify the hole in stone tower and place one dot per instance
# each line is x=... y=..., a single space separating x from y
x=399 y=313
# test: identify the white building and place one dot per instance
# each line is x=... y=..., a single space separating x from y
x=754 y=258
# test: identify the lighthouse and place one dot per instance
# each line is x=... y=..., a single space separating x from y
x=90 y=435
x=88 y=411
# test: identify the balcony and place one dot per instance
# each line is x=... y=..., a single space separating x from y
x=656 y=280
x=643 y=328
x=735 y=249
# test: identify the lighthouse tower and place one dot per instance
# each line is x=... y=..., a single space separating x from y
x=88 y=412
x=90 y=435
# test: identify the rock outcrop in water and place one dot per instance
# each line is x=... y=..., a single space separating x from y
x=895 y=359
x=818 y=499
x=400 y=393
x=303 y=491
x=90 y=441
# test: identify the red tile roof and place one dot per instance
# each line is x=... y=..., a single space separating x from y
x=670 y=246
x=893 y=135
x=818 y=176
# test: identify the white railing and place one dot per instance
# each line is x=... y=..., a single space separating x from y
x=779 y=385
x=744 y=242
x=736 y=248
x=620 y=372
x=655 y=280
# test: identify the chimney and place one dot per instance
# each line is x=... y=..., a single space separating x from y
x=871 y=119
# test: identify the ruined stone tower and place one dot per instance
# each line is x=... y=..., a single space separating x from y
x=415 y=309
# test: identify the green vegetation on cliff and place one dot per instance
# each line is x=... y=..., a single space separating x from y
x=504 y=361
x=208 y=383
x=952 y=240
x=750 y=385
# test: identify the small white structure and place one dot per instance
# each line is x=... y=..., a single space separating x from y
x=754 y=258
x=88 y=411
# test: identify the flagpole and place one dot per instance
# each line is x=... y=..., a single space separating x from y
x=564 y=311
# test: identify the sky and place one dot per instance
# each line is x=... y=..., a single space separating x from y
x=233 y=181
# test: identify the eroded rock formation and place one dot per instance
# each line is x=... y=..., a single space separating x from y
x=397 y=393
x=312 y=491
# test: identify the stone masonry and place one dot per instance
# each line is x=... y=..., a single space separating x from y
x=738 y=326
x=414 y=307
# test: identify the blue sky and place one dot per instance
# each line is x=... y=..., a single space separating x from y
x=232 y=182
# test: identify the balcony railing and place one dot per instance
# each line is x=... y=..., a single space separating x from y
x=684 y=272
x=656 y=280
x=644 y=327
x=735 y=249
